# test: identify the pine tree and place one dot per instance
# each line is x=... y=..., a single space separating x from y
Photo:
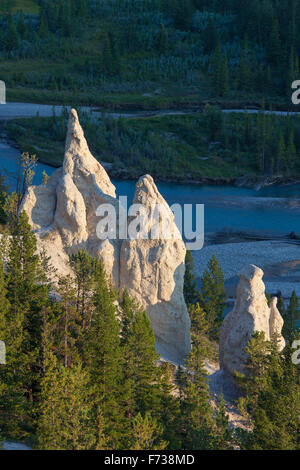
x=21 y=26
x=223 y=438
x=281 y=306
x=169 y=407
x=281 y=154
x=64 y=421
x=162 y=41
x=146 y=434
x=213 y=295
x=196 y=416
x=224 y=90
x=183 y=14
x=291 y=152
x=4 y=303
x=255 y=377
x=107 y=56
x=43 y=29
x=68 y=322
x=28 y=294
x=84 y=267
x=103 y=356
x=274 y=45
x=290 y=317
x=12 y=38
x=141 y=369
x=210 y=38
x=220 y=72
x=191 y=293
x=245 y=72
x=274 y=399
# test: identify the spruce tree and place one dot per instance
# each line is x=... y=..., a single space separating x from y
x=255 y=377
x=281 y=154
x=162 y=41
x=68 y=322
x=245 y=72
x=210 y=38
x=146 y=434
x=84 y=267
x=291 y=152
x=103 y=356
x=213 y=295
x=64 y=421
x=141 y=358
x=223 y=439
x=21 y=26
x=28 y=292
x=291 y=316
x=274 y=51
x=273 y=399
x=191 y=293
x=4 y=303
x=12 y=38
x=170 y=406
x=196 y=426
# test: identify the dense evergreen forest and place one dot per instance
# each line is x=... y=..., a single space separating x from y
x=181 y=51
x=82 y=371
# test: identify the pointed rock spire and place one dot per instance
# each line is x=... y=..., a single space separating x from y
x=250 y=313
x=153 y=272
x=64 y=214
x=80 y=163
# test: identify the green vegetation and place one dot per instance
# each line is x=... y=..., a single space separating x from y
x=213 y=296
x=191 y=293
x=114 y=52
x=80 y=376
x=82 y=373
x=291 y=316
x=26 y=6
x=272 y=397
x=209 y=144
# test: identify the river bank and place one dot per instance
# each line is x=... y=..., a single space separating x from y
x=279 y=260
x=150 y=101
x=178 y=137
x=122 y=174
x=246 y=181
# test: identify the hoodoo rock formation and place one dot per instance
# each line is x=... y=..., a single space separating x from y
x=250 y=313
x=63 y=214
x=153 y=271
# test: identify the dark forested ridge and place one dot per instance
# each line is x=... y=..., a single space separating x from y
x=178 y=52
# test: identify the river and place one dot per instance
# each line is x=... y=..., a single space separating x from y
x=274 y=210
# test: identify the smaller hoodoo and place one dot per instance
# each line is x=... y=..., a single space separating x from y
x=250 y=313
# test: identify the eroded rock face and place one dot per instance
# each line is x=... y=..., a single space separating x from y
x=153 y=272
x=63 y=215
x=250 y=313
x=63 y=211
